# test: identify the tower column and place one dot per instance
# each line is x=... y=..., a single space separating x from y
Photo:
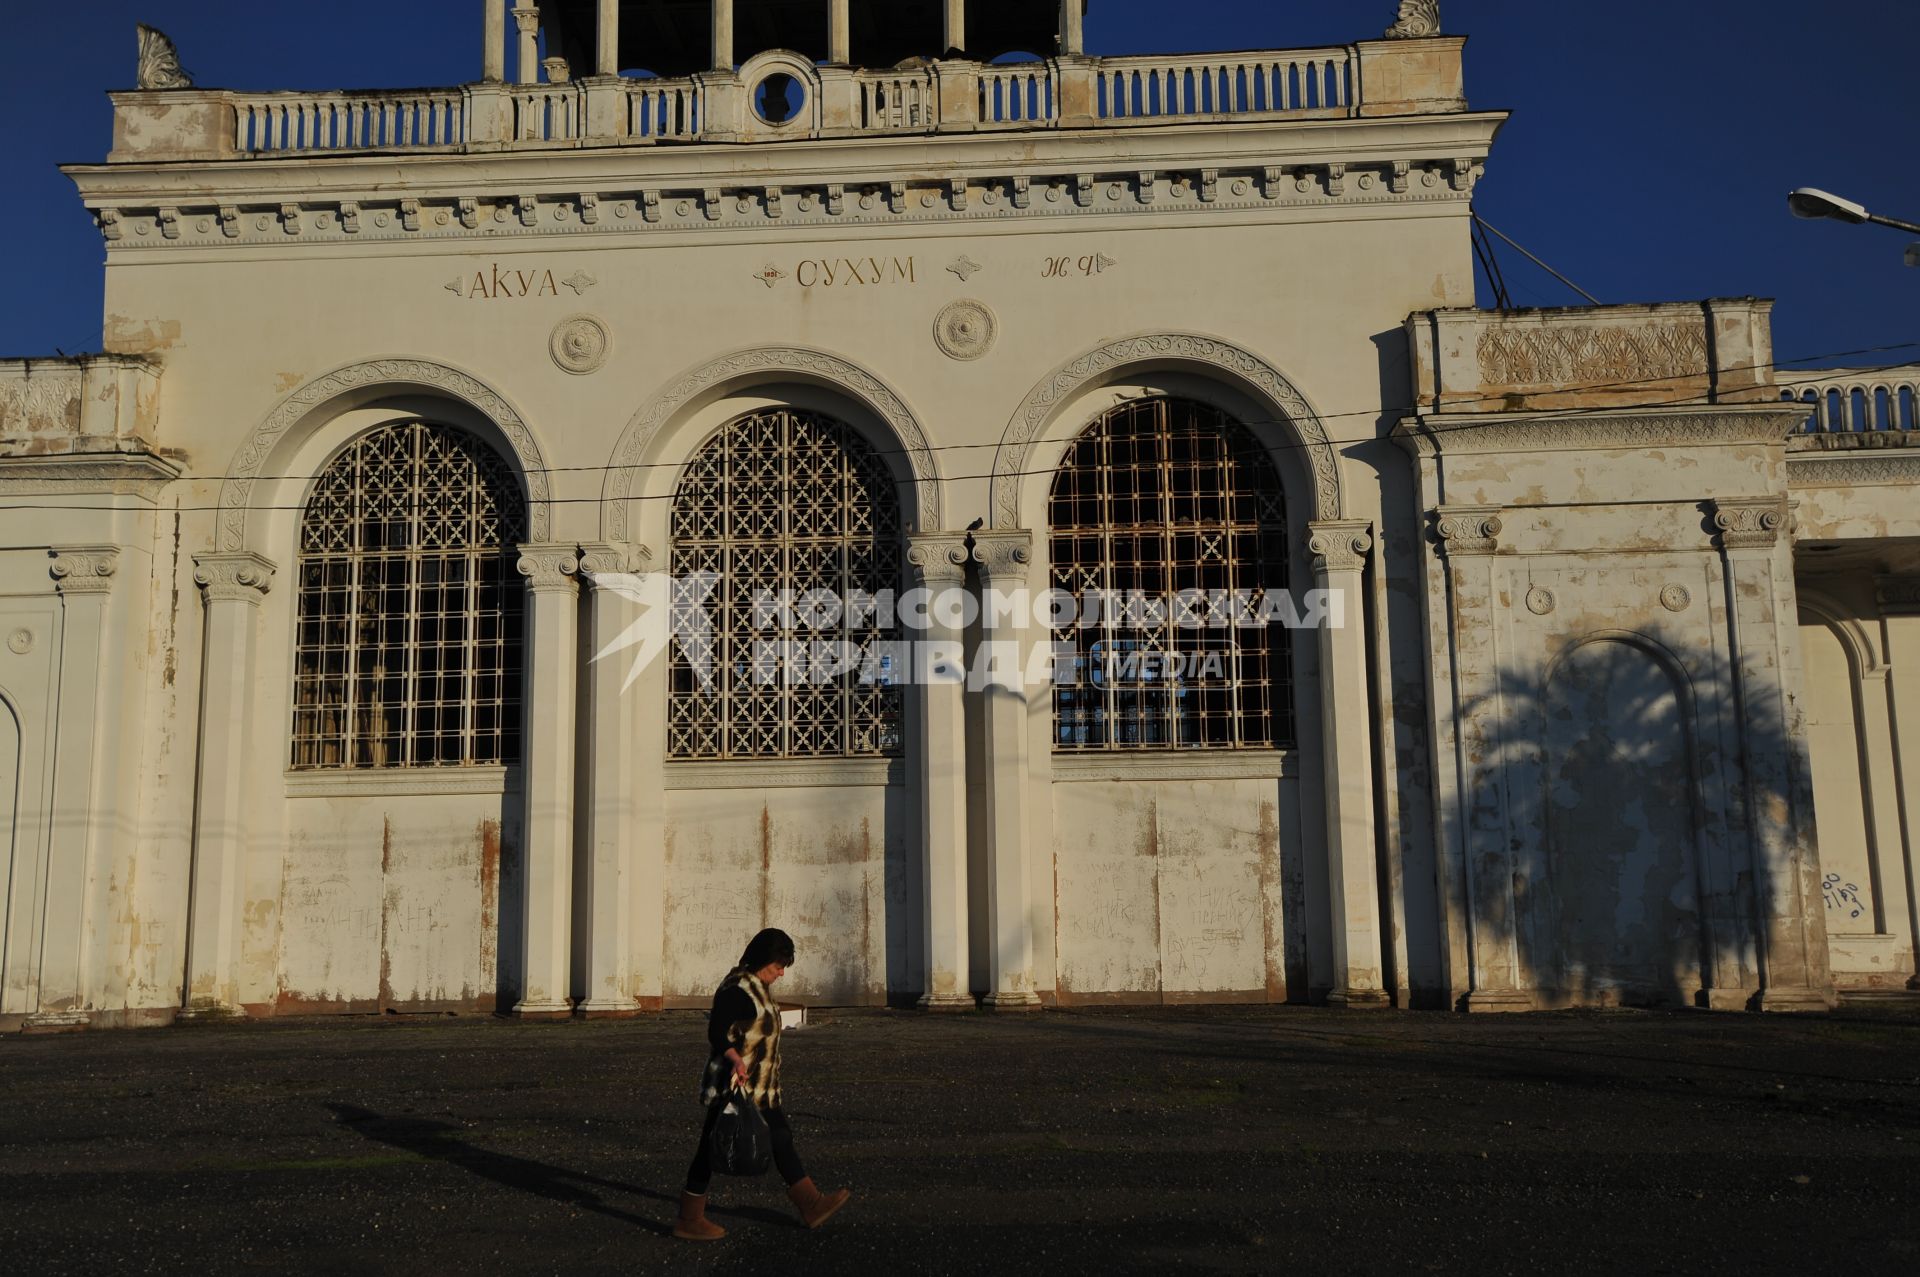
x=526 y=68
x=839 y=33
x=955 y=27
x=723 y=35
x=1073 y=39
x=939 y=563
x=1006 y=564
x=607 y=44
x=547 y=740
x=493 y=63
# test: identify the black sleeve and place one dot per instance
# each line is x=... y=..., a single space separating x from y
x=730 y=1007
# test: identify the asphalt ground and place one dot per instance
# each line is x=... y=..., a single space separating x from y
x=1273 y=1140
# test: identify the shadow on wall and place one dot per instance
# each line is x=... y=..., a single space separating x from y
x=1632 y=869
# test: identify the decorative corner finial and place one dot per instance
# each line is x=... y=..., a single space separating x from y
x=1418 y=20
x=160 y=62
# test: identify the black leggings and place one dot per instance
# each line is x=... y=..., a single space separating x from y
x=700 y=1174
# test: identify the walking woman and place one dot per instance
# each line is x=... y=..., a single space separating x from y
x=743 y=1037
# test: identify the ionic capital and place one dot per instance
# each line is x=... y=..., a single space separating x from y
x=1467 y=529
x=612 y=557
x=938 y=558
x=1750 y=523
x=1005 y=558
x=238 y=577
x=527 y=19
x=1339 y=545
x=85 y=569
x=549 y=567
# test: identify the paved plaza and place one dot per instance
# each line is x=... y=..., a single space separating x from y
x=1236 y=1140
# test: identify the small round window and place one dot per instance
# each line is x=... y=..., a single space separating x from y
x=778 y=98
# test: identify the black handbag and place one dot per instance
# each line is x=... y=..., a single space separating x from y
x=740 y=1143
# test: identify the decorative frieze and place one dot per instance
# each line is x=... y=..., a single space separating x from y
x=1753 y=523
x=1564 y=356
x=242 y=577
x=1467 y=529
x=85 y=569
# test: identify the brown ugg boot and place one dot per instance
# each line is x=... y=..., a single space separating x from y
x=694 y=1226
x=816 y=1207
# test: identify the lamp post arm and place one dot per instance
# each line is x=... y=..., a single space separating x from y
x=1894 y=222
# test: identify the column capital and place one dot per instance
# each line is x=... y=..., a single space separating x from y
x=238 y=577
x=549 y=566
x=1749 y=523
x=1467 y=529
x=938 y=558
x=526 y=18
x=84 y=569
x=1897 y=595
x=597 y=557
x=1004 y=556
x=1340 y=545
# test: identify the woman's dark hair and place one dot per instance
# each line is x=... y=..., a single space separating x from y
x=771 y=945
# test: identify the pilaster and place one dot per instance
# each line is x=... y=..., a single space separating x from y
x=622 y=871
x=547 y=747
x=232 y=585
x=1899 y=600
x=1006 y=565
x=1776 y=773
x=1340 y=551
x=938 y=562
x=1468 y=537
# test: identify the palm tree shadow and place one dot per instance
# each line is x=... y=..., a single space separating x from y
x=441 y=1142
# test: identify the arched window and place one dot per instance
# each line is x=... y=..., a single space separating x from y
x=1169 y=530
x=408 y=638
x=798 y=521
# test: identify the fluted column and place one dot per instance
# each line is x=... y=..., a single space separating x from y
x=526 y=68
x=622 y=868
x=1779 y=797
x=1006 y=561
x=1468 y=537
x=493 y=45
x=82 y=798
x=839 y=33
x=954 y=27
x=938 y=563
x=1346 y=712
x=233 y=586
x=547 y=740
x=723 y=35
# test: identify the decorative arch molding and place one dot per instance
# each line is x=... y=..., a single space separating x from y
x=1663 y=656
x=1208 y=356
x=1863 y=654
x=741 y=370
x=382 y=374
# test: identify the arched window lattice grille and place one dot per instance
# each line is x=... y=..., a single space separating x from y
x=1167 y=511
x=786 y=506
x=407 y=641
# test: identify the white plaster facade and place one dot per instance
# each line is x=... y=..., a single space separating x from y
x=1616 y=714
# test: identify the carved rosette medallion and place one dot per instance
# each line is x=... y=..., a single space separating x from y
x=580 y=344
x=20 y=642
x=965 y=329
x=1540 y=600
x=85 y=571
x=1675 y=597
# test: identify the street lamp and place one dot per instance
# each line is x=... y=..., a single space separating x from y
x=1812 y=203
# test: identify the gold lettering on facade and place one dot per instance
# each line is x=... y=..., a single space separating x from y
x=497 y=283
x=1075 y=267
x=854 y=272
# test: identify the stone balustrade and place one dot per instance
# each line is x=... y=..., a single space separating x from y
x=1857 y=400
x=1374 y=78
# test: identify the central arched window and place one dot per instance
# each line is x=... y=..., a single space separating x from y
x=1169 y=531
x=797 y=521
x=408 y=635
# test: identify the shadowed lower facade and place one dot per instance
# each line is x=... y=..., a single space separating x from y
x=305 y=578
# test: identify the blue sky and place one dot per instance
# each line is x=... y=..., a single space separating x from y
x=1652 y=145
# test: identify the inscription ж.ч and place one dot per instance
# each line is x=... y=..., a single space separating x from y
x=498 y=283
